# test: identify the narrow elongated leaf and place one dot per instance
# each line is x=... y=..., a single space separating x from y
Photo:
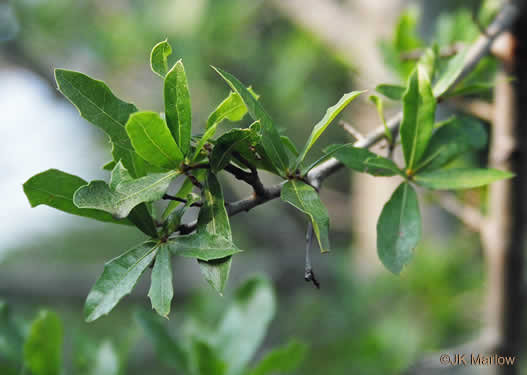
x=118 y=279
x=281 y=360
x=43 y=346
x=159 y=58
x=230 y=142
x=55 y=189
x=11 y=336
x=330 y=115
x=456 y=137
x=177 y=106
x=213 y=219
x=127 y=195
x=306 y=199
x=399 y=228
x=143 y=220
x=462 y=178
x=289 y=145
x=417 y=124
x=429 y=61
x=271 y=141
x=166 y=347
x=161 y=289
x=451 y=73
x=362 y=160
x=97 y=104
x=203 y=246
x=152 y=140
x=245 y=323
x=394 y=92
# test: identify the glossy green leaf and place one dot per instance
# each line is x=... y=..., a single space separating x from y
x=213 y=219
x=450 y=74
x=462 y=178
x=394 y=92
x=43 y=346
x=166 y=347
x=271 y=141
x=456 y=137
x=233 y=140
x=380 y=109
x=118 y=279
x=203 y=246
x=399 y=228
x=306 y=199
x=159 y=58
x=55 y=189
x=245 y=323
x=161 y=289
x=109 y=166
x=177 y=106
x=284 y=359
x=209 y=133
x=152 y=140
x=363 y=160
x=417 y=124
x=126 y=196
x=330 y=115
x=97 y=104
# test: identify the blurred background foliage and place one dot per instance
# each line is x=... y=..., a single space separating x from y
x=355 y=323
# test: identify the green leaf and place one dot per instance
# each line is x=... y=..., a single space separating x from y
x=429 y=61
x=213 y=219
x=152 y=140
x=161 y=289
x=127 y=195
x=203 y=246
x=245 y=323
x=230 y=142
x=477 y=88
x=394 y=92
x=43 y=346
x=363 y=160
x=209 y=133
x=306 y=199
x=118 y=279
x=330 y=115
x=450 y=74
x=399 y=228
x=159 y=58
x=166 y=347
x=289 y=145
x=109 y=166
x=271 y=141
x=232 y=108
x=456 y=137
x=97 y=104
x=55 y=189
x=177 y=106
x=379 y=104
x=284 y=359
x=462 y=178
x=417 y=124
x=184 y=190
x=143 y=220
x=207 y=360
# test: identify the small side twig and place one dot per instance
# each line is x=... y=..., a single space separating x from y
x=250 y=178
x=468 y=215
x=182 y=200
x=351 y=130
